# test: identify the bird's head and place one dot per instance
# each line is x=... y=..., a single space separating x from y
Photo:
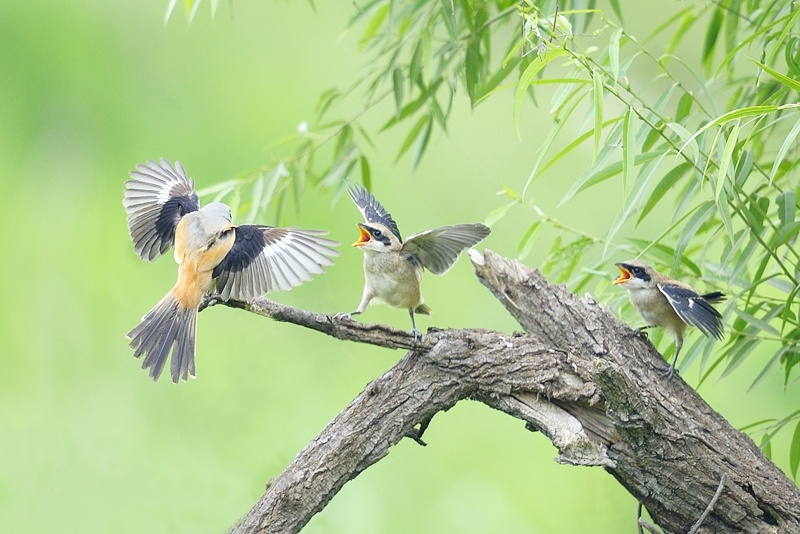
x=215 y=220
x=635 y=274
x=376 y=237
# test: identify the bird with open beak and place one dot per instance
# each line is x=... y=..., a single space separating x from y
x=662 y=301
x=240 y=261
x=393 y=267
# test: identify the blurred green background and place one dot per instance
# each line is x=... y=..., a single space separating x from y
x=88 y=443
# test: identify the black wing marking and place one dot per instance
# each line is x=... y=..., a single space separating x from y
x=265 y=259
x=155 y=199
x=694 y=309
x=371 y=209
x=438 y=249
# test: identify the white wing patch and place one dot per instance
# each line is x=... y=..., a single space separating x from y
x=155 y=199
x=693 y=309
x=265 y=259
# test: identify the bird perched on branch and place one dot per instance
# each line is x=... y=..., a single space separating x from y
x=662 y=301
x=393 y=268
x=243 y=261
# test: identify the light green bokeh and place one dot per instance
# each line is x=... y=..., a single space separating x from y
x=89 y=444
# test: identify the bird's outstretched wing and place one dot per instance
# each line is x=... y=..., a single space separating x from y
x=156 y=198
x=694 y=309
x=265 y=259
x=371 y=209
x=438 y=249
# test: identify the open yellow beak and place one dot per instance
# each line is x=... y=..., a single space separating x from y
x=625 y=275
x=364 y=238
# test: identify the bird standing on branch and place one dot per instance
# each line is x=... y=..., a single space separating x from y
x=244 y=261
x=662 y=301
x=393 y=268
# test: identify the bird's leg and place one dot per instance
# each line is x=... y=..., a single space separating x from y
x=671 y=371
x=365 y=298
x=414 y=332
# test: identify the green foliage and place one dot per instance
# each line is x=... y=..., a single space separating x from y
x=190 y=8
x=715 y=141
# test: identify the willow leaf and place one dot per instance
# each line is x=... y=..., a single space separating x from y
x=764 y=30
x=527 y=76
x=422 y=143
x=600 y=175
x=397 y=86
x=768 y=367
x=787 y=207
x=784 y=233
x=724 y=171
x=613 y=54
x=634 y=197
x=666 y=183
x=366 y=174
x=754 y=321
x=628 y=149
x=598 y=110
x=700 y=215
x=741 y=113
x=783 y=79
x=787 y=145
x=563 y=152
x=413 y=133
x=794 y=452
x=498 y=213
x=526 y=243
x=615 y=7
x=711 y=37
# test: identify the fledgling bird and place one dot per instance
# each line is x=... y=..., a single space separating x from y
x=243 y=261
x=393 y=268
x=662 y=301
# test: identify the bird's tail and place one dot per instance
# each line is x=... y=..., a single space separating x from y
x=423 y=309
x=714 y=297
x=166 y=327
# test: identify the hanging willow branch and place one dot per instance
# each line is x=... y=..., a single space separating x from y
x=578 y=375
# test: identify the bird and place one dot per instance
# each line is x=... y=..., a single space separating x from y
x=240 y=261
x=393 y=267
x=662 y=301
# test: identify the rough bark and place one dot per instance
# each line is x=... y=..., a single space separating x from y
x=578 y=375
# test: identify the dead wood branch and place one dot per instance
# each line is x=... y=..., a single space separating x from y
x=579 y=375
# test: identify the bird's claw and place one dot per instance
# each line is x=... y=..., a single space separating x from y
x=669 y=373
x=342 y=316
x=417 y=335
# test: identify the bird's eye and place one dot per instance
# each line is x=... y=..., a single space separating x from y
x=637 y=270
x=376 y=233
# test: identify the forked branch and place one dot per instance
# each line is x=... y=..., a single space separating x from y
x=578 y=375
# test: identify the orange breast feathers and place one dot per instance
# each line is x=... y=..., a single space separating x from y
x=197 y=256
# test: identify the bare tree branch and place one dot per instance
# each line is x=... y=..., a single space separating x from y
x=579 y=375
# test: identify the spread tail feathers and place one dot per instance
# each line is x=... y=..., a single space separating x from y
x=166 y=327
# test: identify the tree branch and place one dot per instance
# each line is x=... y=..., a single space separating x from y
x=579 y=375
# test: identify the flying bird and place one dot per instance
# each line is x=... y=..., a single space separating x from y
x=393 y=267
x=662 y=301
x=241 y=261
